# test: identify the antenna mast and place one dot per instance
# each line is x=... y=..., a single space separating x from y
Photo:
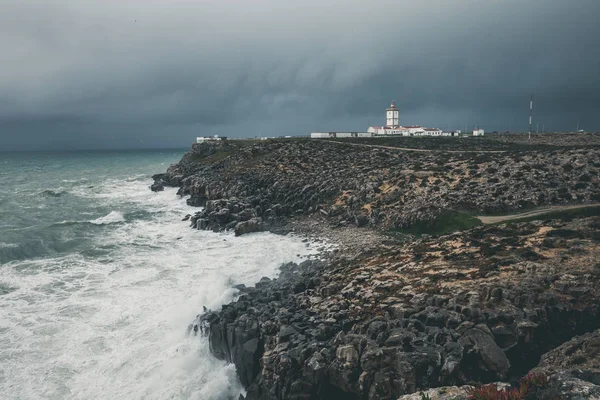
x=530 y=113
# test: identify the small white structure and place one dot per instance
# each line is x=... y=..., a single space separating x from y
x=400 y=130
x=478 y=132
x=215 y=138
x=431 y=132
x=414 y=130
x=376 y=130
x=329 y=135
x=322 y=135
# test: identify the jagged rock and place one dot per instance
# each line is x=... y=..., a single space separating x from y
x=286 y=332
x=347 y=356
x=157 y=187
x=196 y=201
x=252 y=225
x=575 y=365
x=441 y=393
x=483 y=351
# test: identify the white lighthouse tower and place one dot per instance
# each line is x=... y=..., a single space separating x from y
x=392 y=116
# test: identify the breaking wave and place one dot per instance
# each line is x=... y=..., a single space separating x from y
x=98 y=308
x=111 y=218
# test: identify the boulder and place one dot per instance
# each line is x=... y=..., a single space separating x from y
x=252 y=225
x=157 y=187
x=483 y=358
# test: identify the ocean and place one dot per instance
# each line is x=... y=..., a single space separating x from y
x=100 y=278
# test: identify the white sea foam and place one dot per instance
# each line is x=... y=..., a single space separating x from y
x=113 y=327
x=111 y=218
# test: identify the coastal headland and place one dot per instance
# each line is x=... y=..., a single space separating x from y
x=419 y=297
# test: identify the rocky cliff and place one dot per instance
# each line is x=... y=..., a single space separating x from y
x=389 y=316
x=257 y=184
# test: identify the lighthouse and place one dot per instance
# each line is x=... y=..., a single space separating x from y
x=392 y=116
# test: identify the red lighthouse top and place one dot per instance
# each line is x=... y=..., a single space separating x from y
x=393 y=104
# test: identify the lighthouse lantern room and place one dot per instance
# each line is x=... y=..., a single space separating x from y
x=392 y=116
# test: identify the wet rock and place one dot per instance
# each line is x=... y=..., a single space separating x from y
x=157 y=187
x=252 y=225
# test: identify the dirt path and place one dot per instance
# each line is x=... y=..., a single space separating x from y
x=411 y=149
x=540 y=211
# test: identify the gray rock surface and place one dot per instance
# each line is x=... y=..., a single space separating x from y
x=386 y=317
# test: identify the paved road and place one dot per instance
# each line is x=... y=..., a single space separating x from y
x=411 y=149
x=540 y=211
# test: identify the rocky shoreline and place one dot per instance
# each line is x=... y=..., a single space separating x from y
x=385 y=314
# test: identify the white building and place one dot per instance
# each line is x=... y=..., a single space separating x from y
x=376 y=130
x=322 y=135
x=392 y=127
x=328 y=135
x=392 y=116
x=215 y=138
x=414 y=130
x=431 y=132
x=386 y=130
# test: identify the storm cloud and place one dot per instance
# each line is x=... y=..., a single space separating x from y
x=125 y=74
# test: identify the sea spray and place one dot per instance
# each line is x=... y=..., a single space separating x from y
x=112 y=217
x=100 y=310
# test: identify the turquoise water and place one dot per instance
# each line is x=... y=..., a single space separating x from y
x=99 y=279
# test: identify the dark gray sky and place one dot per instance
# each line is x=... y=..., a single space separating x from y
x=157 y=73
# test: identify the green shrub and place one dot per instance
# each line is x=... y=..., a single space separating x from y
x=447 y=222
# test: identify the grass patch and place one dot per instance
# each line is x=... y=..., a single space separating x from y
x=213 y=158
x=447 y=222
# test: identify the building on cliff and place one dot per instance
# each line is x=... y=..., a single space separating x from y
x=215 y=138
x=328 y=135
x=392 y=127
